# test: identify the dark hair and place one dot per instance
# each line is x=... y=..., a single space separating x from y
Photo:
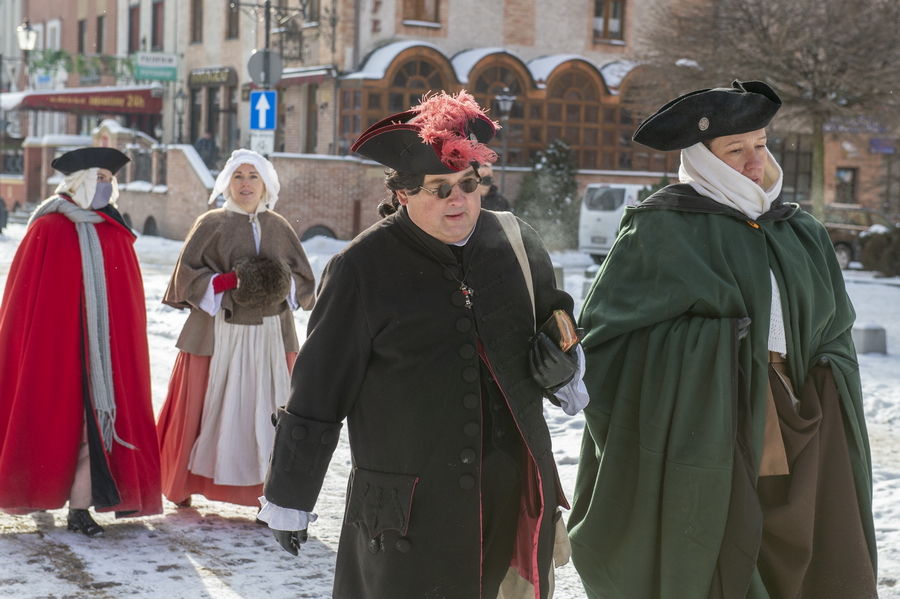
x=396 y=180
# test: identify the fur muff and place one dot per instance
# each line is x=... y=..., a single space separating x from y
x=262 y=282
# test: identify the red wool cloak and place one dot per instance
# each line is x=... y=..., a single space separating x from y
x=42 y=365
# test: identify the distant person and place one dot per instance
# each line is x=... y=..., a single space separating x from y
x=725 y=452
x=4 y=215
x=490 y=197
x=206 y=147
x=242 y=273
x=76 y=418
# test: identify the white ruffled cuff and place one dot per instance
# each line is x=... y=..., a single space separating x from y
x=282 y=518
x=574 y=396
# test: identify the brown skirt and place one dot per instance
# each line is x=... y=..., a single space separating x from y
x=813 y=544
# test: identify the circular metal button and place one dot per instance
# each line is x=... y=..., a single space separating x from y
x=470 y=374
x=468 y=456
x=472 y=429
x=463 y=325
x=470 y=401
x=466 y=481
x=466 y=351
x=403 y=546
x=299 y=432
x=327 y=437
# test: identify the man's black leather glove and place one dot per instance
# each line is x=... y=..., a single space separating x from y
x=290 y=540
x=551 y=367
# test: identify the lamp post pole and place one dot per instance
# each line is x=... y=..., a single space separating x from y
x=179 y=112
x=505 y=103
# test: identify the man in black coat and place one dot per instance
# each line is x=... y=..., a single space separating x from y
x=423 y=338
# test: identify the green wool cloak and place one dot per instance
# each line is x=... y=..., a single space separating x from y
x=668 y=380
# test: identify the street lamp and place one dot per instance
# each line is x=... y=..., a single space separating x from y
x=505 y=104
x=180 y=97
x=27 y=40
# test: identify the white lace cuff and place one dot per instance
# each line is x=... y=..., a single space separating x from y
x=282 y=518
x=574 y=396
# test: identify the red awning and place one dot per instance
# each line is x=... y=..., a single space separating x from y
x=144 y=99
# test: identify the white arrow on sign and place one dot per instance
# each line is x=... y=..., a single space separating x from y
x=262 y=106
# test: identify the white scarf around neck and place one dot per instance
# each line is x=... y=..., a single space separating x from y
x=711 y=177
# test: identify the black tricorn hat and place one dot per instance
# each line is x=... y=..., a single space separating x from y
x=78 y=160
x=709 y=113
x=442 y=135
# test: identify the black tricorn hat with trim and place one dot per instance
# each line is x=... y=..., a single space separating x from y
x=709 y=113
x=84 y=158
x=442 y=135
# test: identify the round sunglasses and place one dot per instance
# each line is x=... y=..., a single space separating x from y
x=444 y=190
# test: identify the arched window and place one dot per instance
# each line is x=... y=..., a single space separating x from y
x=573 y=115
x=491 y=83
x=411 y=81
x=363 y=107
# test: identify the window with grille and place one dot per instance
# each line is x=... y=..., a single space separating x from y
x=421 y=10
x=609 y=19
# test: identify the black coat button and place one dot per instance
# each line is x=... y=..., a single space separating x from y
x=467 y=351
x=471 y=401
x=470 y=374
x=299 y=432
x=463 y=325
x=466 y=481
x=468 y=456
x=472 y=429
x=373 y=546
x=403 y=546
x=327 y=437
x=457 y=298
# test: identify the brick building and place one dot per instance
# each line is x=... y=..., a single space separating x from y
x=348 y=63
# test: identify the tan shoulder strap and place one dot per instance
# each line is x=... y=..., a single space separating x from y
x=510 y=225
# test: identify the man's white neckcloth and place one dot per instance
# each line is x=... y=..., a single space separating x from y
x=711 y=177
x=265 y=169
x=81 y=185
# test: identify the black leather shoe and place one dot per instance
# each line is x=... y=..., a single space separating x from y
x=81 y=520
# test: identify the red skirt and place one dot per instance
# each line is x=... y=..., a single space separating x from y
x=178 y=428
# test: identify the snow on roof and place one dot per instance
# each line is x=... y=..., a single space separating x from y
x=379 y=60
x=614 y=72
x=464 y=61
x=541 y=68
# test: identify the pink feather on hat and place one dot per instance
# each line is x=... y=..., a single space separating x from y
x=443 y=121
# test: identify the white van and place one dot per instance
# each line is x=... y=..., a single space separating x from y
x=601 y=211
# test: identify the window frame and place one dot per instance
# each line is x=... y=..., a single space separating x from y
x=604 y=11
x=134 y=28
x=157 y=25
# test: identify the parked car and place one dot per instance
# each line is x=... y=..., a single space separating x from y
x=847 y=223
x=601 y=211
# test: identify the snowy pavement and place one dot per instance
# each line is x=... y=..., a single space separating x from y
x=216 y=550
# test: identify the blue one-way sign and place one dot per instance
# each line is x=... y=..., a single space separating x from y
x=263 y=107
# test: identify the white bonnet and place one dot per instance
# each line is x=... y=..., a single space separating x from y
x=263 y=167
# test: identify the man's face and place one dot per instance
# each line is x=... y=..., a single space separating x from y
x=448 y=220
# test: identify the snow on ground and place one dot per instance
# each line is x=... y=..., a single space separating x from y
x=216 y=550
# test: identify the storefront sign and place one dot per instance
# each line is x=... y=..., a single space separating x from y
x=212 y=76
x=155 y=65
